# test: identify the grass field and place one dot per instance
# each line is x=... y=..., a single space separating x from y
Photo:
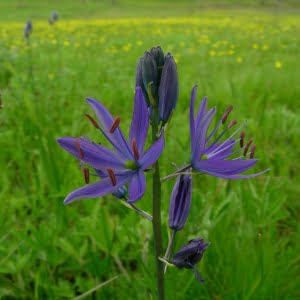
x=52 y=251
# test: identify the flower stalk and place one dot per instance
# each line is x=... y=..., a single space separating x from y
x=156 y=214
x=169 y=248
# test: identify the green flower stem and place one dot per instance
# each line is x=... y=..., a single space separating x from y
x=156 y=186
x=169 y=249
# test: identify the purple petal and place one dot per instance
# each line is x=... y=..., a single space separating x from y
x=140 y=121
x=98 y=189
x=137 y=187
x=200 y=135
x=201 y=112
x=226 y=168
x=226 y=176
x=192 y=121
x=153 y=153
x=116 y=138
x=95 y=155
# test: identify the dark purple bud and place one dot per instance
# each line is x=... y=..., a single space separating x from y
x=149 y=74
x=27 y=29
x=159 y=58
x=168 y=89
x=139 y=80
x=189 y=255
x=180 y=202
x=120 y=193
x=168 y=56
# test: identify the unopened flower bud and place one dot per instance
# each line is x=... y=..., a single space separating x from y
x=180 y=202
x=168 y=89
x=149 y=74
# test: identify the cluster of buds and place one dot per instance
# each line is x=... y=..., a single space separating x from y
x=158 y=78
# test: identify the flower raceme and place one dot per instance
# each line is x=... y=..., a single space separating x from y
x=126 y=163
x=157 y=76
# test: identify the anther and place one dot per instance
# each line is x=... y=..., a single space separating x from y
x=242 y=137
x=135 y=149
x=247 y=146
x=112 y=176
x=226 y=114
x=252 y=151
x=232 y=123
x=80 y=151
x=115 y=124
x=96 y=125
x=86 y=173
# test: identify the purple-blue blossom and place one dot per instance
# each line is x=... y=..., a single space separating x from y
x=208 y=154
x=126 y=163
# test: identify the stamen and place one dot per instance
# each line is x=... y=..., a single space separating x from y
x=232 y=123
x=212 y=154
x=233 y=134
x=96 y=125
x=252 y=151
x=242 y=136
x=247 y=146
x=135 y=149
x=226 y=114
x=80 y=151
x=86 y=173
x=112 y=176
x=115 y=124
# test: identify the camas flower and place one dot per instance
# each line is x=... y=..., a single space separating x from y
x=189 y=255
x=126 y=163
x=27 y=29
x=213 y=158
x=180 y=202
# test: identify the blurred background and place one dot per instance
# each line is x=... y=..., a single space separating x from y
x=244 y=53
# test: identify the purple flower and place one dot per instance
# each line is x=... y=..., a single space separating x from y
x=213 y=157
x=126 y=163
x=180 y=202
x=27 y=29
x=189 y=255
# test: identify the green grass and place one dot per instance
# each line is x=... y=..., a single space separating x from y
x=52 y=251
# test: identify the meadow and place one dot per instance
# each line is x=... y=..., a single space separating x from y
x=52 y=251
